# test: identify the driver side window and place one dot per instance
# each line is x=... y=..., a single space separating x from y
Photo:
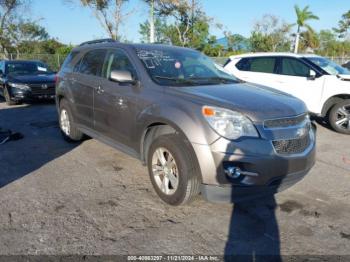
x=118 y=60
x=293 y=67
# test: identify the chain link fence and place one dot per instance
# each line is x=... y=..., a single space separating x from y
x=54 y=61
x=340 y=60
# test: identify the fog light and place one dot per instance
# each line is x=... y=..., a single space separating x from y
x=233 y=172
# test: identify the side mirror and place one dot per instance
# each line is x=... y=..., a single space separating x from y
x=122 y=77
x=312 y=75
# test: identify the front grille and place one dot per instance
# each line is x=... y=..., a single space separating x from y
x=39 y=89
x=285 y=122
x=292 y=146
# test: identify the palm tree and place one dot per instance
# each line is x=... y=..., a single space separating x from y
x=303 y=15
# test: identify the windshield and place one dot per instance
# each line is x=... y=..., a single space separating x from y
x=181 y=67
x=27 y=68
x=329 y=66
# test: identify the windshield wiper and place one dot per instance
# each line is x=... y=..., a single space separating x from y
x=177 y=80
x=215 y=78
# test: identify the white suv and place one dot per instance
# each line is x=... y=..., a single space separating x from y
x=323 y=85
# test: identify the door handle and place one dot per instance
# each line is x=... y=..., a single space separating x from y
x=99 y=90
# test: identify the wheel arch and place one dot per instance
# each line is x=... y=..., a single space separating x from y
x=154 y=130
x=159 y=128
x=327 y=106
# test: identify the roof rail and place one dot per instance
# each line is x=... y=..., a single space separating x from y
x=98 y=41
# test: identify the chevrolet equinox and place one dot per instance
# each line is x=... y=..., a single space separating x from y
x=196 y=127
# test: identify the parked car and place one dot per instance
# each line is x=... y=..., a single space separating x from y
x=196 y=127
x=347 y=65
x=22 y=80
x=322 y=84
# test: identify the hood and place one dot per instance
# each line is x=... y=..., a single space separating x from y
x=257 y=102
x=32 y=79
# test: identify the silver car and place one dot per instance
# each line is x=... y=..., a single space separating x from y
x=197 y=128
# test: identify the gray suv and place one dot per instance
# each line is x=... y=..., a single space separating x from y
x=196 y=127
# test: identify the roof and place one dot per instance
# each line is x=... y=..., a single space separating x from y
x=23 y=61
x=137 y=46
x=272 y=54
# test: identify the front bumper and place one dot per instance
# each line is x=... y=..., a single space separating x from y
x=230 y=194
x=272 y=172
x=23 y=95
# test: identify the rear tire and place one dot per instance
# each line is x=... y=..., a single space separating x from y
x=339 y=117
x=176 y=181
x=8 y=99
x=68 y=128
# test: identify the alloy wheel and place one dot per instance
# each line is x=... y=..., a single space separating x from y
x=64 y=122
x=165 y=171
x=343 y=117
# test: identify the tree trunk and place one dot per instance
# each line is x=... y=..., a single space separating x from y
x=151 y=26
x=297 y=37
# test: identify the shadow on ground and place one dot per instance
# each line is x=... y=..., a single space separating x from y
x=41 y=144
x=322 y=122
x=254 y=232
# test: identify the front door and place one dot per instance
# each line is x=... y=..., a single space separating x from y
x=294 y=78
x=115 y=104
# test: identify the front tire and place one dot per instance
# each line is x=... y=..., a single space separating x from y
x=68 y=129
x=339 y=117
x=173 y=170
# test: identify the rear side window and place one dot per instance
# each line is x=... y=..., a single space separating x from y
x=68 y=65
x=92 y=62
x=243 y=64
x=263 y=65
x=293 y=67
x=257 y=64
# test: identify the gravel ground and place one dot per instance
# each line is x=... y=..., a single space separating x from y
x=60 y=199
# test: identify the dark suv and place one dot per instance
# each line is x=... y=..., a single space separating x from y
x=26 y=80
x=196 y=127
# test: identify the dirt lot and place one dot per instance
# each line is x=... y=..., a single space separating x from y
x=59 y=198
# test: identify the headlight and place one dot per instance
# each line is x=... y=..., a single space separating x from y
x=19 y=86
x=229 y=124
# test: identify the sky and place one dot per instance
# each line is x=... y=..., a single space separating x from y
x=70 y=23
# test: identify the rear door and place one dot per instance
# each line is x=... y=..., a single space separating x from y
x=258 y=70
x=294 y=78
x=86 y=78
x=116 y=104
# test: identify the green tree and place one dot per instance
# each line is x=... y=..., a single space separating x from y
x=9 y=13
x=188 y=23
x=26 y=32
x=343 y=25
x=110 y=14
x=236 y=43
x=309 y=40
x=270 y=34
x=160 y=35
x=303 y=16
x=212 y=48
